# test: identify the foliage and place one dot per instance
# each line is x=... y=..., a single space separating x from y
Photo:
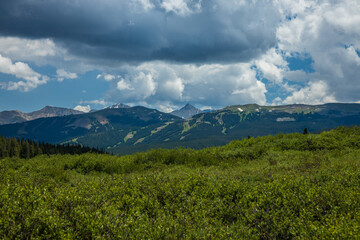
x=21 y=148
x=293 y=186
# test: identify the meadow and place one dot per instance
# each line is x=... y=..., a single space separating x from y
x=288 y=186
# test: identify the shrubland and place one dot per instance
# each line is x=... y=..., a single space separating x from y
x=293 y=186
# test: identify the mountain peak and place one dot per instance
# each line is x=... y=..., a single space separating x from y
x=187 y=111
x=118 y=105
x=188 y=106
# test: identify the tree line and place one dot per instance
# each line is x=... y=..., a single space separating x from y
x=16 y=147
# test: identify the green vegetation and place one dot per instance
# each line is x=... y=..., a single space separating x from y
x=293 y=186
x=130 y=130
x=15 y=147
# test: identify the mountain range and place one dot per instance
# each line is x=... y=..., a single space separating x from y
x=15 y=116
x=132 y=129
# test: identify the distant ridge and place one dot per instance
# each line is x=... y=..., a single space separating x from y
x=15 y=116
x=187 y=111
x=50 y=111
x=127 y=130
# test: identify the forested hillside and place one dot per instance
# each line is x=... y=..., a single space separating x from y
x=288 y=186
x=15 y=147
x=130 y=130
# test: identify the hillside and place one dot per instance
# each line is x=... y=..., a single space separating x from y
x=292 y=186
x=129 y=130
x=224 y=125
x=15 y=116
x=116 y=121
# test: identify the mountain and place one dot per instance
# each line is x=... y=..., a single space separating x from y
x=127 y=130
x=15 y=116
x=50 y=111
x=118 y=105
x=7 y=117
x=113 y=124
x=187 y=111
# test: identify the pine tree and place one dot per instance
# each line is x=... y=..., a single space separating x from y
x=305 y=131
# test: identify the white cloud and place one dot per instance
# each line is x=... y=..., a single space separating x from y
x=328 y=32
x=315 y=93
x=96 y=102
x=144 y=85
x=179 y=7
x=106 y=76
x=172 y=85
x=174 y=88
x=123 y=85
x=272 y=65
x=62 y=74
x=20 y=70
x=165 y=108
x=27 y=49
x=85 y=109
x=109 y=77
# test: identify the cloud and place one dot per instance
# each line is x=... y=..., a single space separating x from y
x=62 y=74
x=84 y=109
x=272 y=65
x=329 y=33
x=106 y=76
x=172 y=85
x=101 y=102
x=109 y=77
x=315 y=93
x=145 y=4
x=185 y=31
x=31 y=79
x=123 y=85
x=164 y=53
x=179 y=7
x=27 y=49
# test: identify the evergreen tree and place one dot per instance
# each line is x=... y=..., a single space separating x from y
x=305 y=131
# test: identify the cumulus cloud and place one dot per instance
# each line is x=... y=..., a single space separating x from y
x=123 y=85
x=84 y=109
x=27 y=49
x=106 y=76
x=171 y=85
x=31 y=79
x=315 y=93
x=62 y=74
x=179 y=7
x=272 y=65
x=329 y=33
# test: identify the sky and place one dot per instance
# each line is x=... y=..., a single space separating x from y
x=89 y=54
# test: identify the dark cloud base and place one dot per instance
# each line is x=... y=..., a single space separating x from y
x=119 y=30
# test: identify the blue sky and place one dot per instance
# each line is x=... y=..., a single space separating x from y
x=89 y=54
